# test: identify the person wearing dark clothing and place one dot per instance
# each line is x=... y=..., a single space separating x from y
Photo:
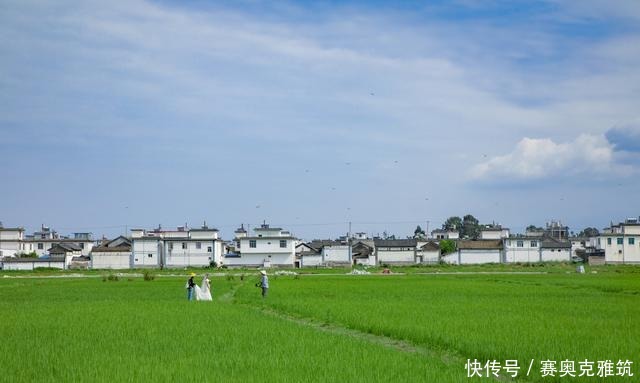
x=190 y=287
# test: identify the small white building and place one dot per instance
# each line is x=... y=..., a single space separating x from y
x=477 y=252
x=522 y=249
x=395 y=251
x=307 y=256
x=114 y=254
x=493 y=231
x=267 y=247
x=555 y=250
x=445 y=234
x=427 y=252
x=11 y=241
x=183 y=247
x=621 y=242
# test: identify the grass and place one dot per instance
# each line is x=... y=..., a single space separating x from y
x=326 y=328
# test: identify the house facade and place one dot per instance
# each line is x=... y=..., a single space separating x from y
x=183 y=247
x=621 y=242
x=522 y=249
x=395 y=251
x=114 y=254
x=266 y=247
x=11 y=241
x=477 y=252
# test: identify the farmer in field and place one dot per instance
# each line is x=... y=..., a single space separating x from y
x=264 y=283
x=190 y=286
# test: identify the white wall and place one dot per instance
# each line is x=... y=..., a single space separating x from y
x=479 y=256
x=625 y=253
x=259 y=259
x=552 y=255
x=111 y=260
x=310 y=260
x=32 y=265
x=145 y=252
x=339 y=253
x=430 y=257
x=396 y=256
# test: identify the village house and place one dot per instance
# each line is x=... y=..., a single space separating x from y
x=476 y=252
x=183 y=247
x=113 y=254
x=493 y=231
x=427 y=252
x=267 y=247
x=395 y=251
x=307 y=256
x=621 y=242
x=41 y=241
x=522 y=249
x=11 y=241
x=445 y=234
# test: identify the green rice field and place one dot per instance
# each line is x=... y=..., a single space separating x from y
x=318 y=328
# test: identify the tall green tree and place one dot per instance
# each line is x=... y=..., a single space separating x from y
x=470 y=227
x=453 y=223
x=589 y=232
x=418 y=232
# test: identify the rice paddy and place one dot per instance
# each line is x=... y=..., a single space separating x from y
x=317 y=328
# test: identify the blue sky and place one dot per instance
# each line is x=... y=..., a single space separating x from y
x=309 y=115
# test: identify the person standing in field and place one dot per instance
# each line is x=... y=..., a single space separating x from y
x=264 y=283
x=190 y=287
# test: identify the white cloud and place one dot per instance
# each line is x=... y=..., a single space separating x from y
x=540 y=158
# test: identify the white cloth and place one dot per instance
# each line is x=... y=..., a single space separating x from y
x=203 y=293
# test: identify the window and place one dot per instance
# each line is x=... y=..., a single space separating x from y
x=149 y=255
x=184 y=245
x=520 y=243
x=82 y=245
x=534 y=243
x=608 y=241
x=40 y=246
x=209 y=249
x=620 y=241
x=283 y=243
x=598 y=241
x=170 y=246
x=252 y=243
x=198 y=245
x=632 y=241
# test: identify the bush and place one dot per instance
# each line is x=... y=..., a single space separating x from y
x=148 y=275
x=28 y=255
x=110 y=277
x=242 y=277
x=230 y=277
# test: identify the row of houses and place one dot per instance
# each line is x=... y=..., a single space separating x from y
x=268 y=246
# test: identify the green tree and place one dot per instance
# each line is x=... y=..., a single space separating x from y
x=447 y=246
x=589 y=232
x=470 y=227
x=418 y=232
x=452 y=223
x=534 y=228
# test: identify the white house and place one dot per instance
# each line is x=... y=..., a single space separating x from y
x=395 y=251
x=183 y=247
x=41 y=241
x=267 y=247
x=363 y=252
x=555 y=250
x=427 y=252
x=11 y=241
x=307 y=256
x=493 y=231
x=522 y=249
x=477 y=251
x=114 y=254
x=621 y=242
x=445 y=234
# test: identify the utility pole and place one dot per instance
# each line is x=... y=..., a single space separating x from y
x=349 y=244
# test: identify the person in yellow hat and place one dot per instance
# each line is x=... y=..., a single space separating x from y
x=190 y=286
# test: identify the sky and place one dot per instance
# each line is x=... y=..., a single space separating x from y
x=310 y=115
